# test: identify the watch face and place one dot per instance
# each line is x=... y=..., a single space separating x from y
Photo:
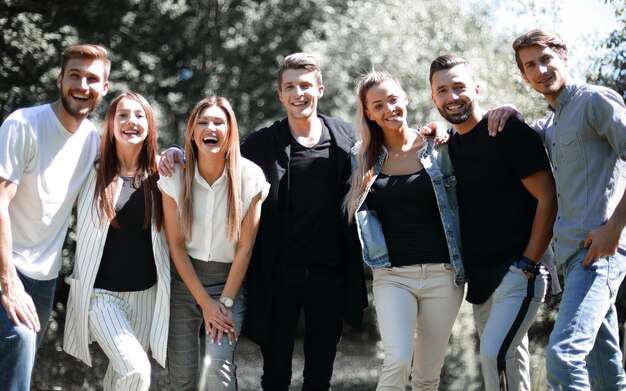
x=227 y=301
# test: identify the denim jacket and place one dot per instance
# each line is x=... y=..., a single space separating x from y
x=436 y=161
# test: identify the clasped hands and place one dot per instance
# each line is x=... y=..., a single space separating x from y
x=217 y=321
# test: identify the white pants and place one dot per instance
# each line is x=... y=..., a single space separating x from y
x=502 y=323
x=416 y=307
x=120 y=322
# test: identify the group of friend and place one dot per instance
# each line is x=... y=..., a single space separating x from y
x=284 y=222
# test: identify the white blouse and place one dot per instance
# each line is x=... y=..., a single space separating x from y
x=209 y=239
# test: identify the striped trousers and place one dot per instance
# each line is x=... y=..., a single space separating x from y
x=120 y=322
x=503 y=322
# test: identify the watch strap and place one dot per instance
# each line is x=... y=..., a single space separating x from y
x=527 y=265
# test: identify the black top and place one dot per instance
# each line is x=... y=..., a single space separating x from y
x=313 y=232
x=127 y=263
x=407 y=208
x=270 y=149
x=496 y=211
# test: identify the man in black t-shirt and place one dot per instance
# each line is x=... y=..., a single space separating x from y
x=305 y=256
x=507 y=206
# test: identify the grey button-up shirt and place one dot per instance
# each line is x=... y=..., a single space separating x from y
x=585 y=137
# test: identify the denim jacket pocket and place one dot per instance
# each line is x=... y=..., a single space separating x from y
x=449 y=182
x=373 y=243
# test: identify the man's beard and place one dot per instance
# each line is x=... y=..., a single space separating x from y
x=457 y=119
x=80 y=114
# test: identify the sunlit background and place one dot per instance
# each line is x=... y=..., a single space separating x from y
x=176 y=51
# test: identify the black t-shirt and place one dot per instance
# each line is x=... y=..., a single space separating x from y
x=496 y=211
x=127 y=263
x=406 y=206
x=314 y=230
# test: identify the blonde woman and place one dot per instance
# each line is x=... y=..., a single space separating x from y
x=212 y=209
x=119 y=288
x=403 y=200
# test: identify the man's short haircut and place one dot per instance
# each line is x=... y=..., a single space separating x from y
x=447 y=61
x=540 y=38
x=86 y=51
x=299 y=61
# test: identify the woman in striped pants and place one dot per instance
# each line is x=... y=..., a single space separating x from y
x=120 y=285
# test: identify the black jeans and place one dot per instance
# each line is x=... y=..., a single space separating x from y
x=319 y=291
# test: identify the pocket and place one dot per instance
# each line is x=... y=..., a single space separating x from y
x=380 y=272
x=516 y=270
x=569 y=146
x=615 y=272
x=449 y=182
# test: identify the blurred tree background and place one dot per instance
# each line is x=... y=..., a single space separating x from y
x=177 y=51
x=610 y=70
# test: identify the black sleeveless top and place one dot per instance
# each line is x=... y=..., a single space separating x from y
x=128 y=261
x=407 y=208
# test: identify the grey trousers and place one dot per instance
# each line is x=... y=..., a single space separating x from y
x=218 y=369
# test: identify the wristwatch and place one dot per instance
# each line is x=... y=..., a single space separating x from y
x=227 y=301
x=527 y=265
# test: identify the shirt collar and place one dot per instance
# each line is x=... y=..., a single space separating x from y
x=204 y=183
x=564 y=97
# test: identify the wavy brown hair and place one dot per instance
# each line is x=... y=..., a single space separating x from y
x=370 y=136
x=146 y=176
x=540 y=38
x=231 y=144
x=89 y=52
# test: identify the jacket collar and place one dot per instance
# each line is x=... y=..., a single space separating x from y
x=340 y=136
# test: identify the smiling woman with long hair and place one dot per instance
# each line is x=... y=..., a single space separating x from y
x=403 y=200
x=212 y=209
x=120 y=284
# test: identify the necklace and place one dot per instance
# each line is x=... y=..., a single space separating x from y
x=127 y=173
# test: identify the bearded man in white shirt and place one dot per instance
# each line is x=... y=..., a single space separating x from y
x=46 y=153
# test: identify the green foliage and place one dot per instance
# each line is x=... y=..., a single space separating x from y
x=173 y=51
x=27 y=47
x=611 y=70
x=403 y=39
x=177 y=51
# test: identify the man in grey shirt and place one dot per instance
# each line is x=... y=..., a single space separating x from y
x=585 y=136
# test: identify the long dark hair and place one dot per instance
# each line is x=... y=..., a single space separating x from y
x=146 y=176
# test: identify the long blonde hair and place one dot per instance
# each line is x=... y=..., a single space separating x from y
x=370 y=136
x=232 y=168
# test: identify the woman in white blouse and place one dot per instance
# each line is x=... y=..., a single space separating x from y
x=211 y=209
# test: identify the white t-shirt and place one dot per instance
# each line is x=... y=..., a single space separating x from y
x=209 y=239
x=48 y=164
